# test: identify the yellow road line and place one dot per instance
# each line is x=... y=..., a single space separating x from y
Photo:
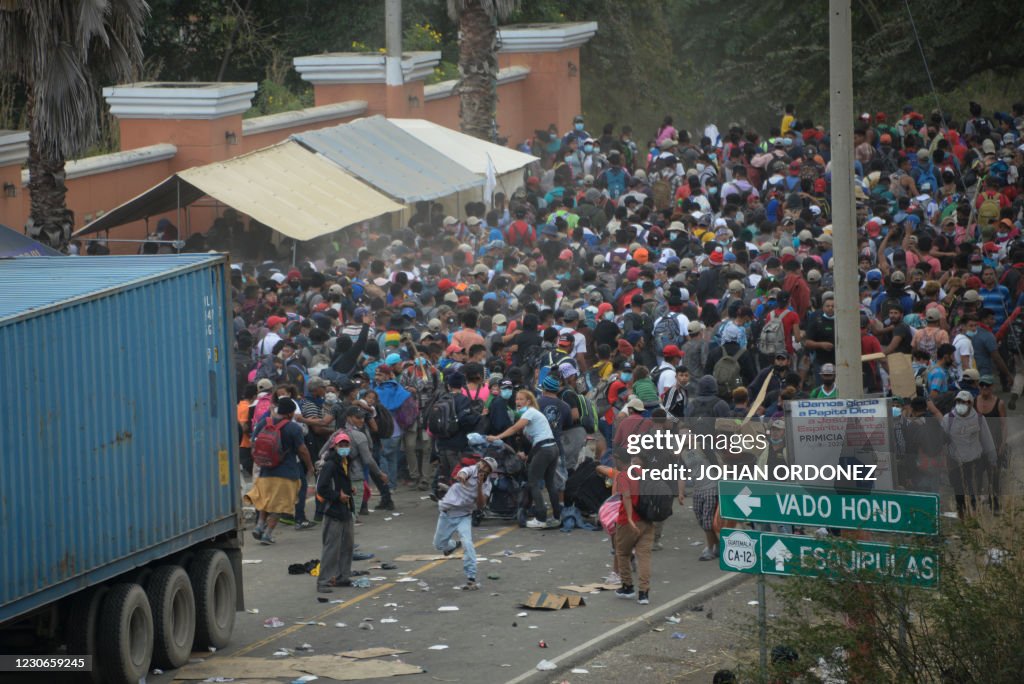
x=356 y=599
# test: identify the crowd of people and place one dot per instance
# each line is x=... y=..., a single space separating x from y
x=631 y=285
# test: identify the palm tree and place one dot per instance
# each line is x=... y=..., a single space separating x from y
x=63 y=52
x=478 y=61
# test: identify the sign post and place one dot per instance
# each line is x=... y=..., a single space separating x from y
x=767 y=553
x=794 y=504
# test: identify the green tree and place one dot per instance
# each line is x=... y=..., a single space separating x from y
x=478 y=61
x=63 y=52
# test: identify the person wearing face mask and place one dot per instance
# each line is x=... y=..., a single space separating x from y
x=971 y=449
x=578 y=133
x=821 y=336
x=334 y=493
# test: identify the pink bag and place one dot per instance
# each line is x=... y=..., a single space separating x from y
x=608 y=514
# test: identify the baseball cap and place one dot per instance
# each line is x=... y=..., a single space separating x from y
x=964 y=395
x=550 y=383
x=671 y=351
x=634 y=403
x=828 y=369
x=567 y=370
x=392 y=359
x=453 y=348
x=694 y=327
x=489 y=460
x=275 y=321
x=339 y=437
x=264 y=385
x=972 y=374
x=932 y=314
x=567 y=337
x=571 y=315
x=499 y=319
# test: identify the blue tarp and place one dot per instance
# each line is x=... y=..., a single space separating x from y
x=14 y=244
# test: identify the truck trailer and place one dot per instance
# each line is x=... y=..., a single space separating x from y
x=120 y=516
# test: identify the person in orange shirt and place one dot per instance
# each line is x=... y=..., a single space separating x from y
x=244 y=416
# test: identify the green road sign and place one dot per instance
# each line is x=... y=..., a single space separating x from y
x=793 y=504
x=790 y=554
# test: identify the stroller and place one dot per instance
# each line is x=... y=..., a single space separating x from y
x=507 y=501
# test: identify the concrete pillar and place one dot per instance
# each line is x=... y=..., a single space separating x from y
x=551 y=93
x=203 y=120
x=343 y=76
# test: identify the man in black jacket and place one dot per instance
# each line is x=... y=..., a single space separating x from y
x=334 y=491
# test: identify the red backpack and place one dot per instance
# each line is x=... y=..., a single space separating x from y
x=520 y=234
x=266 y=448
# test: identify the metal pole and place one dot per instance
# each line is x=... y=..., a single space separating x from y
x=762 y=626
x=844 y=225
x=393 y=43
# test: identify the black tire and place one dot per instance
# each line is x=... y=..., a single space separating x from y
x=174 y=616
x=213 y=584
x=126 y=625
x=83 y=626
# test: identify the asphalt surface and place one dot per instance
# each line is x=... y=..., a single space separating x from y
x=487 y=639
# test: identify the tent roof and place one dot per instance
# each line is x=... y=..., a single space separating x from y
x=464 y=149
x=392 y=160
x=15 y=244
x=294 y=191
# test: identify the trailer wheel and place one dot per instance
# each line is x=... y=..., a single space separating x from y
x=83 y=625
x=174 y=616
x=213 y=583
x=126 y=623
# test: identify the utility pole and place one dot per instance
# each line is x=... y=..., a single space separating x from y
x=849 y=378
x=393 y=40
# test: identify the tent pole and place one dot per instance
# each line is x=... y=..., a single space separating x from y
x=177 y=187
x=295 y=244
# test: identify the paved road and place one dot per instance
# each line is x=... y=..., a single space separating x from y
x=486 y=639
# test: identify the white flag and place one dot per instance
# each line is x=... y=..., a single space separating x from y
x=492 y=182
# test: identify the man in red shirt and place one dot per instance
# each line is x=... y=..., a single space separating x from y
x=633 y=533
x=869 y=344
x=798 y=289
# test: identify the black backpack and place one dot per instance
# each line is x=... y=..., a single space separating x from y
x=443 y=417
x=476 y=407
x=585 y=488
x=655 y=501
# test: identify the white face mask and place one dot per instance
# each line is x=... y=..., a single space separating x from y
x=962 y=409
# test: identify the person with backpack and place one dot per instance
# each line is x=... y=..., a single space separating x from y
x=542 y=462
x=450 y=420
x=971 y=449
x=781 y=326
x=990 y=203
x=280 y=452
x=671 y=328
x=730 y=364
x=664 y=376
x=583 y=413
x=633 y=535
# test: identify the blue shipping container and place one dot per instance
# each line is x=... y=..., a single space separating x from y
x=118 y=445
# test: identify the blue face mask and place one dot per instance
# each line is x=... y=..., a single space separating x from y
x=657 y=283
x=562 y=276
x=420 y=361
x=588 y=148
x=568 y=158
x=896 y=411
x=626 y=377
x=502 y=328
x=712 y=190
x=506 y=394
x=578 y=126
x=609 y=315
x=520 y=412
x=343 y=451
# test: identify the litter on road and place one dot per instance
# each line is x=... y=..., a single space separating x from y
x=546 y=665
x=273 y=623
x=447 y=609
x=438 y=647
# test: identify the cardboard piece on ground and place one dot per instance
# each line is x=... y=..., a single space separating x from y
x=587 y=588
x=901 y=375
x=378 y=652
x=241 y=668
x=347 y=670
x=328 y=666
x=412 y=557
x=542 y=600
x=525 y=555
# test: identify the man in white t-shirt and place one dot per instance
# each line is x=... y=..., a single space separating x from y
x=468 y=492
x=665 y=373
x=275 y=329
x=963 y=356
x=571 y=320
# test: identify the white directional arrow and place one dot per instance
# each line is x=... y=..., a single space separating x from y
x=745 y=502
x=780 y=554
